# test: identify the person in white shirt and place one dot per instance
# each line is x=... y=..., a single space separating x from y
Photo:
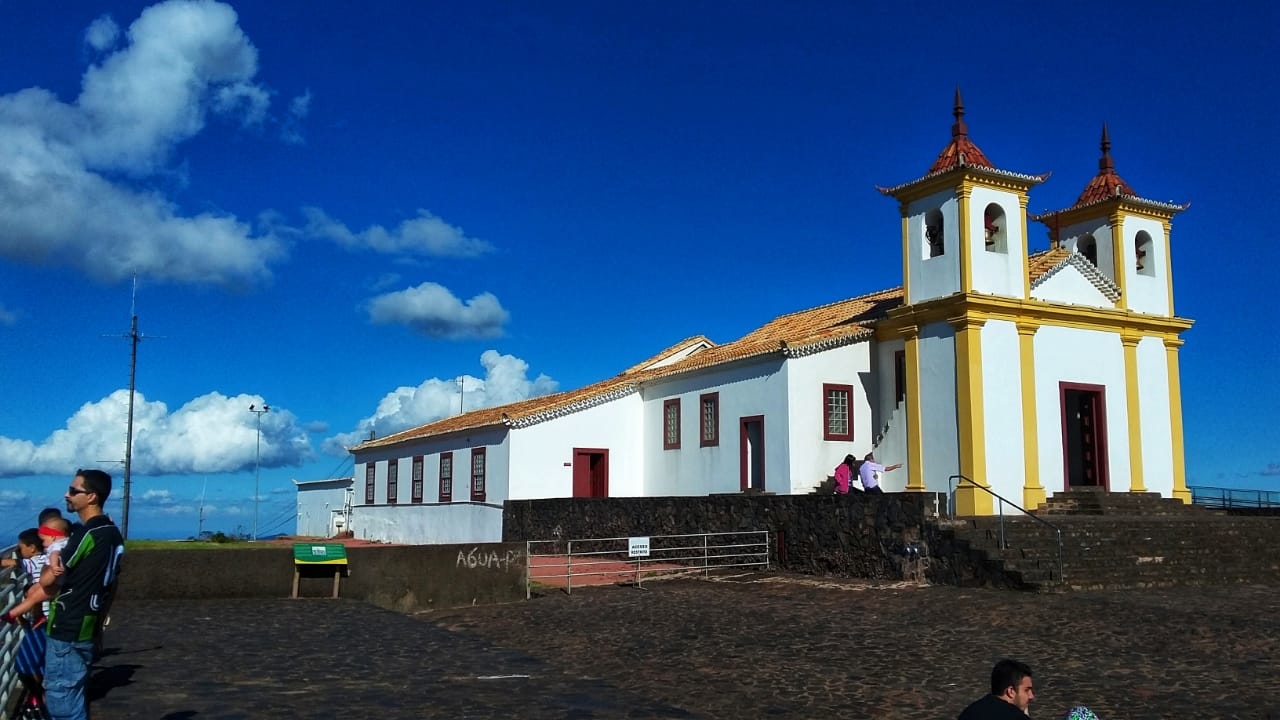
x=869 y=473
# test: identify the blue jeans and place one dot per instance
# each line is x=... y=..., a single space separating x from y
x=66 y=668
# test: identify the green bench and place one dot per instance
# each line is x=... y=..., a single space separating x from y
x=306 y=555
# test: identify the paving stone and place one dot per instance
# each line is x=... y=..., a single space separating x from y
x=754 y=646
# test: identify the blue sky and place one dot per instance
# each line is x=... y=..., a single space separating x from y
x=339 y=209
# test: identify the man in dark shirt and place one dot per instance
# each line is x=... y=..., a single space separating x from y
x=1011 y=694
x=81 y=582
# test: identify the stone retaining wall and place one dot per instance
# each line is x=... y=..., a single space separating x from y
x=401 y=578
x=854 y=535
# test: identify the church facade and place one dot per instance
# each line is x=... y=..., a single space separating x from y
x=1026 y=373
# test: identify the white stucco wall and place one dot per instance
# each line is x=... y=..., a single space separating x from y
x=937 y=409
x=1148 y=292
x=1081 y=356
x=1068 y=286
x=1101 y=231
x=812 y=457
x=889 y=418
x=543 y=453
x=428 y=524
x=1153 y=404
x=494 y=440
x=1002 y=409
x=939 y=276
x=316 y=504
x=407 y=522
x=997 y=273
x=758 y=388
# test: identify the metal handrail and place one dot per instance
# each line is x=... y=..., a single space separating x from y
x=10 y=635
x=953 y=483
x=716 y=551
x=1219 y=497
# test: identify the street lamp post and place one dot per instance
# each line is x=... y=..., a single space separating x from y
x=257 y=464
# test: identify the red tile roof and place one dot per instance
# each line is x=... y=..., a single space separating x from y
x=961 y=150
x=1106 y=183
x=1042 y=262
x=679 y=347
x=801 y=332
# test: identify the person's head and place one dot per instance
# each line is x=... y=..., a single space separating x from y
x=849 y=460
x=89 y=489
x=29 y=543
x=59 y=524
x=54 y=529
x=871 y=457
x=1011 y=682
x=49 y=512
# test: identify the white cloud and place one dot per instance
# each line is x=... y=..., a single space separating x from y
x=7 y=317
x=506 y=380
x=12 y=497
x=141 y=101
x=435 y=312
x=247 y=101
x=102 y=34
x=160 y=497
x=426 y=235
x=67 y=169
x=291 y=129
x=210 y=434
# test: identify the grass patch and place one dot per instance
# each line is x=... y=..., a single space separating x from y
x=194 y=545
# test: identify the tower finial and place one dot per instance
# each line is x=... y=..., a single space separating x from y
x=959 y=129
x=1104 y=163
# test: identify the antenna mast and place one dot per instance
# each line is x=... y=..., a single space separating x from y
x=134 y=337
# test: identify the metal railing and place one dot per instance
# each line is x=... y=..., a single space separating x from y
x=623 y=559
x=953 y=483
x=1216 y=497
x=10 y=636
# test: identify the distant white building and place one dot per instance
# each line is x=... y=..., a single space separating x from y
x=324 y=507
x=1026 y=372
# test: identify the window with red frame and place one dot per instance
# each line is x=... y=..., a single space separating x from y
x=837 y=412
x=710 y=419
x=446 y=477
x=416 y=489
x=477 y=475
x=369 y=470
x=671 y=424
x=393 y=481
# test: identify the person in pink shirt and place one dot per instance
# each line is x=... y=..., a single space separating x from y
x=844 y=474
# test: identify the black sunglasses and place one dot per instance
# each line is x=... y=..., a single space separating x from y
x=73 y=491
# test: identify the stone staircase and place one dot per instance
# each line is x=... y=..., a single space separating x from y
x=1120 y=540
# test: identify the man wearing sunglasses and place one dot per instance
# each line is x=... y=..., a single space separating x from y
x=82 y=581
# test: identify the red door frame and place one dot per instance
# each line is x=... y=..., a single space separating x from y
x=743 y=474
x=582 y=471
x=1100 y=432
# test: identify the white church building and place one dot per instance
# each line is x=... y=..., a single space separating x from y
x=1027 y=373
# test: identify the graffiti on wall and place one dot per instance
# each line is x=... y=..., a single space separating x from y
x=478 y=558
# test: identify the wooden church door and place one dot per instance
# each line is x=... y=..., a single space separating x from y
x=1084 y=436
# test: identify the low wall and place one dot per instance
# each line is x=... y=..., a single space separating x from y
x=855 y=535
x=400 y=578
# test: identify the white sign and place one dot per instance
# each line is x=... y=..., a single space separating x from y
x=638 y=547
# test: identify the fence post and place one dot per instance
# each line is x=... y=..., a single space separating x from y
x=706 y=558
x=568 y=571
x=528 y=560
